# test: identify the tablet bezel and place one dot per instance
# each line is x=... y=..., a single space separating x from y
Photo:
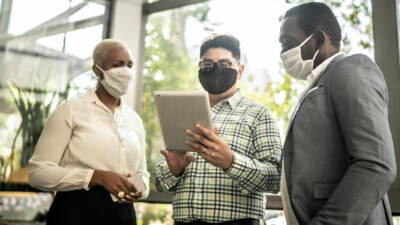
x=178 y=111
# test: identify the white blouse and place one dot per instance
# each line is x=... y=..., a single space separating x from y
x=83 y=135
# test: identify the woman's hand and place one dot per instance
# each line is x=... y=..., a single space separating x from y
x=115 y=183
x=134 y=196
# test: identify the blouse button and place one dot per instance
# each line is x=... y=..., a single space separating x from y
x=122 y=149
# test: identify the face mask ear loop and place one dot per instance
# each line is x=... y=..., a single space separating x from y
x=315 y=55
x=305 y=41
x=98 y=77
x=99 y=68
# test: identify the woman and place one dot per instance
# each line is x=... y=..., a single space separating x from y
x=90 y=144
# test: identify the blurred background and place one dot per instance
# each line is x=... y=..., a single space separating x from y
x=45 y=58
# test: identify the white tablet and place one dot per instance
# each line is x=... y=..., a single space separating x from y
x=178 y=111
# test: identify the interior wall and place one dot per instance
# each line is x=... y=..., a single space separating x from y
x=386 y=40
x=126 y=26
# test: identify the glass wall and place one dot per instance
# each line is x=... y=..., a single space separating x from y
x=45 y=53
x=173 y=44
x=45 y=49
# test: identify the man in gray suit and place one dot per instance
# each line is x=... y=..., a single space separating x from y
x=338 y=157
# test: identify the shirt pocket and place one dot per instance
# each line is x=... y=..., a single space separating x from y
x=323 y=190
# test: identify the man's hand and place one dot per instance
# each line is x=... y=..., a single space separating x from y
x=212 y=147
x=177 y=161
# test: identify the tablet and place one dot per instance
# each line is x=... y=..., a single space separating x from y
x=178 y=111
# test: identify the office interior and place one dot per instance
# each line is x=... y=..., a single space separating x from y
x=45 y=58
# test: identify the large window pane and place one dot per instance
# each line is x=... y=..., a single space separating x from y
x=174 y=37
x=91 y=10
x=44 y=55
x=37 y=12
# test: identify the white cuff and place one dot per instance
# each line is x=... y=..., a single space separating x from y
x=87 y=180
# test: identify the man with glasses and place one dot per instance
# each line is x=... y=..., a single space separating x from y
x=226 y=178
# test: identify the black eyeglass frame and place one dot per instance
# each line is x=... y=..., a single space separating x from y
x=219 y=67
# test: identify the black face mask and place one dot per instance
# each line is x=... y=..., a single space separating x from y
x=217 y=82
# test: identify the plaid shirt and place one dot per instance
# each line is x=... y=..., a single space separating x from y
x=207 y=193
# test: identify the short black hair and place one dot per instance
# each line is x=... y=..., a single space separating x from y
x=225 y=41
x=315 y=16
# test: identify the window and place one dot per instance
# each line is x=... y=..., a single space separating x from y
x=174 y=37
x=45 y=49
x=173 y=44
x=42 y=51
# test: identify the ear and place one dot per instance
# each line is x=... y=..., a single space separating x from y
x=320 y=38
x=240 y=71
x=95 y=69
x=98 y=72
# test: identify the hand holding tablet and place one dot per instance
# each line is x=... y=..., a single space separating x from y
x=178 y=111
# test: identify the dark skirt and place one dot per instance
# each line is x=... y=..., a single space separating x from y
x=89 y=207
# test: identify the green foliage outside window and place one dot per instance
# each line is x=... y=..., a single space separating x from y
x=34 y=106
x=354 y=14
x=169 y=66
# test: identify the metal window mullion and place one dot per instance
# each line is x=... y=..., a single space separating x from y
x=5 y=15
x=59 y=29
x=163 y=5
x=386 y=42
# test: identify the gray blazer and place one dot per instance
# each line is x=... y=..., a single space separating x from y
x=338 y=152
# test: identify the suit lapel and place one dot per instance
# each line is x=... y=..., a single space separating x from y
x=338 y=58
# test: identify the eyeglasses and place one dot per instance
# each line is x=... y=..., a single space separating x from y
x=207 y=66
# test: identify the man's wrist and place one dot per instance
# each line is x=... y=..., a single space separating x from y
x=177 y=173
x=229 y=164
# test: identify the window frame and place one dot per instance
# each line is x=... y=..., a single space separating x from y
x=385 y=24
x=43 y=31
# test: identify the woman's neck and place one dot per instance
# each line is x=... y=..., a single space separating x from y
x=108 y=100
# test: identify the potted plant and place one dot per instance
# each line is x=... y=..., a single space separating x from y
x=34 y=106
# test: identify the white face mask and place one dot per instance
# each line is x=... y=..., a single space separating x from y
x=117 y=80
x=294 y=65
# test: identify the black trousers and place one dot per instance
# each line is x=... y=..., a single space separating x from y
x=95 y=207
x=232 y=222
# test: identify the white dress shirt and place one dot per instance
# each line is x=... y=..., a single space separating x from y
x=289 y=214
x=315 y=73
x=83 y=135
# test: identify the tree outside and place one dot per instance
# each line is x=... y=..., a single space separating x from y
x=169 y=65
